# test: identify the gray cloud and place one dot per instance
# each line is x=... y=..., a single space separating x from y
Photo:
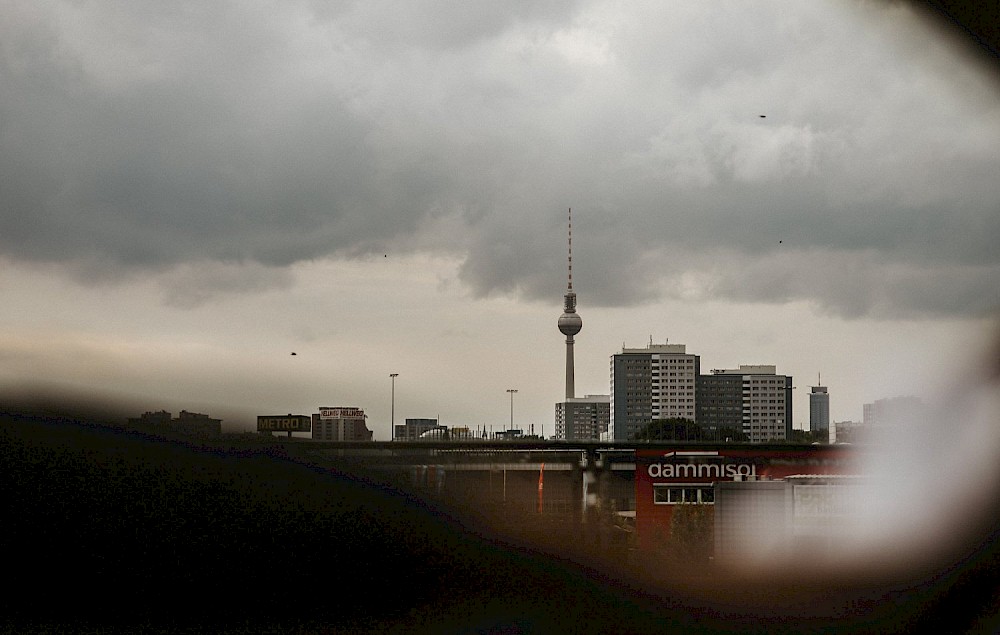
x=138 y=138
x=192 y=286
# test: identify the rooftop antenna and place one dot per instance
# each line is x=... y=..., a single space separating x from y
x=569 y=226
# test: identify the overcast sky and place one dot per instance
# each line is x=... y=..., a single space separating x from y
x=191 y=191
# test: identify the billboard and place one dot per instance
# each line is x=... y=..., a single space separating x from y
x=284 y=423
x=341 y=413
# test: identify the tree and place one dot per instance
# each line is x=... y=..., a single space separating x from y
x=692 y=532
x=809 y=436
x=680 y=429
x=674 y=429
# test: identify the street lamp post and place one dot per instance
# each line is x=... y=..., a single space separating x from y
x=511 y=391
x=392 y=408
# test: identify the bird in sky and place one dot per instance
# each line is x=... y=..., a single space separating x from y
x=294 y=353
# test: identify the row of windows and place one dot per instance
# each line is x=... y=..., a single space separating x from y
x=675 y=494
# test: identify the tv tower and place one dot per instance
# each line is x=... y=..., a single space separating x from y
x=569 y=322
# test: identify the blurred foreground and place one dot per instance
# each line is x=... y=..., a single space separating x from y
x=234 y=534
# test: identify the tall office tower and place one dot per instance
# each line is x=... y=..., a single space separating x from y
x=765 y=400
x=656 y=382
x=583 y=418
x=570 y=322
x=819 y=409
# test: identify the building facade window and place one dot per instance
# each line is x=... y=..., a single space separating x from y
x=676 y=494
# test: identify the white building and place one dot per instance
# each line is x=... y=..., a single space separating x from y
x=340 y=424
x=848 y=432
x=656 y=382
x=894 y=411
x=798 y=517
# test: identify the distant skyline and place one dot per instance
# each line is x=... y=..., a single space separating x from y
x=193 y=192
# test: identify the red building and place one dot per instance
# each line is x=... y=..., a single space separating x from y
x=665 y=478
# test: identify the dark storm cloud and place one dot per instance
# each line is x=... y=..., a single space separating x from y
x=138 y=138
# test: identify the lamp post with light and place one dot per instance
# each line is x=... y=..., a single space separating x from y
x=392 y=408
x=511 y=391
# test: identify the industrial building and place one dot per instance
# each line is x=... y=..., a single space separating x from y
x=413 y=429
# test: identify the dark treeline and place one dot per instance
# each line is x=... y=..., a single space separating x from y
x=680 y=429
x=107 y=531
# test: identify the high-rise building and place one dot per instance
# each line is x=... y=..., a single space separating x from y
x=765 y=400
x=719 y=405
x=819 y=410
x=663 y=381
x=583 y=418
x=656 y=382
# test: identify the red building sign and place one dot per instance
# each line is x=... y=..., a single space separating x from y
x=665 y=478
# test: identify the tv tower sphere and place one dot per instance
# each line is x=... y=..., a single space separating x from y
x=570 y=322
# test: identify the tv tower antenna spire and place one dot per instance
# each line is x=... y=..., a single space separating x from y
x=570 y=322
x=570 y=235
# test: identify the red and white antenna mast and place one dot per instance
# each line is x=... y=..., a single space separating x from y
x=570 y=228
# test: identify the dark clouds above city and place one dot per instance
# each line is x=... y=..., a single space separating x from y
x=837 y=155
x=142 y=136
